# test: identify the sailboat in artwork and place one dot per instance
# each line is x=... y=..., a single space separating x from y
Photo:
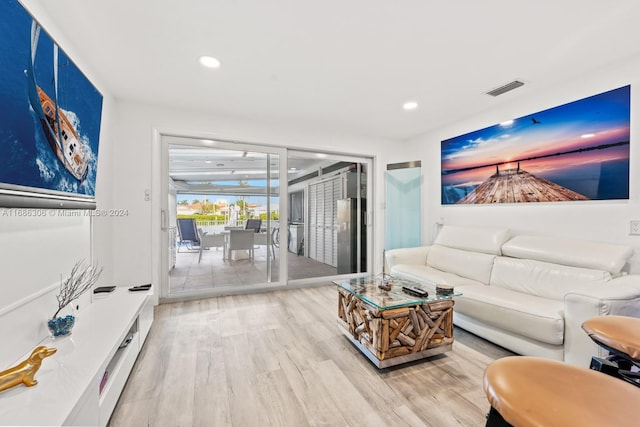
x=59 y=130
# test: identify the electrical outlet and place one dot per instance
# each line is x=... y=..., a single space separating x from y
x=634 y=228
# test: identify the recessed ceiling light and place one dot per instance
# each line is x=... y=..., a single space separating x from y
x=209 y=62
x=410 y=105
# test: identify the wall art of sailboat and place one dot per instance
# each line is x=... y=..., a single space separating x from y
x=60 y=132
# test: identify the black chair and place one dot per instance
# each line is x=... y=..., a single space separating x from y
x=253 y=224
x=188 y=234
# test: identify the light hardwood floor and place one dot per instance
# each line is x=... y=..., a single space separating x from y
x=278 y=359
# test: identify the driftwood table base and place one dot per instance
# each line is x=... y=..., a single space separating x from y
x=398 y=335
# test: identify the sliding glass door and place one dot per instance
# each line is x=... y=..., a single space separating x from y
x=225 y=213
x=241 y=217
x=328 y=232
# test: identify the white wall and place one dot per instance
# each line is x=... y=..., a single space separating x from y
x=597 y=220
x=136 y=168
x=38 y=247
x=35 y=252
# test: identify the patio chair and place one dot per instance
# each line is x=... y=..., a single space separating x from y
x=241 y=240
x=253 y=224
x=211 y=241
x=262 y=239
x=187 y=233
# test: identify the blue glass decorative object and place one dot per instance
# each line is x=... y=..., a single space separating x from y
x=61 y=326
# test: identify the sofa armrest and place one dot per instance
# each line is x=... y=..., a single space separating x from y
x=417 y=255
x=620 y=296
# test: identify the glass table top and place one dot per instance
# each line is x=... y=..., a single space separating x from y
x=373 y=291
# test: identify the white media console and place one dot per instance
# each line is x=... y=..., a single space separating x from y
x=81 y=383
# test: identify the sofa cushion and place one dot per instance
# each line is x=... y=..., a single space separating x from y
x=416 y=255
x=472 y=265
x=530 y=316
x=430 y=276
x=543 y=279
x=473 y=239
x=577 y=253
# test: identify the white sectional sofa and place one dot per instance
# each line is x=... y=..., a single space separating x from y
x=529 y=294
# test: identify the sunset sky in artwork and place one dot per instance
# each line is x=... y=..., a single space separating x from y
x=593 y=121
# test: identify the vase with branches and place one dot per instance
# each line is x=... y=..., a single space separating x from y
x=82 y=277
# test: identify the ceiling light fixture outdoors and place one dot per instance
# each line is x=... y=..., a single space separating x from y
x=218 y=172
x=189 y=173
x=209 y=62
x=410 y=105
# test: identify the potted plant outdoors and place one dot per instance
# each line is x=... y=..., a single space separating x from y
x=83 y=276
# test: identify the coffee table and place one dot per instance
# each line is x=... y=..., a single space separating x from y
x=391 y=327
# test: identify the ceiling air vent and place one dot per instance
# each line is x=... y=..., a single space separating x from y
x=506 y=88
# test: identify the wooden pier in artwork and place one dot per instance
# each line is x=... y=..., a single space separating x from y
x=518 y=186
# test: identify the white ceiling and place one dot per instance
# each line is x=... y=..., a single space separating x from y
x=347 y=64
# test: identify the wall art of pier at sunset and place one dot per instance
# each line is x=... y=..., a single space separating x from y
x=576 y=151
